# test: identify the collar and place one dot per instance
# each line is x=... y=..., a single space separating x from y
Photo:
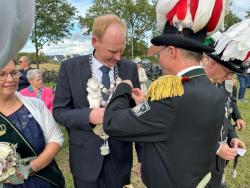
x=184 y=71
x=96 y=68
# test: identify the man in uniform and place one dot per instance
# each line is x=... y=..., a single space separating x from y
x=180 y=121
x=220 y=67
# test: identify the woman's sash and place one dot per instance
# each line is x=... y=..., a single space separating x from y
x=9 y=133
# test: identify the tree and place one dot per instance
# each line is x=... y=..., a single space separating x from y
x=247 y=14
x=231 y=18
x=139 y=15
x=53 y=22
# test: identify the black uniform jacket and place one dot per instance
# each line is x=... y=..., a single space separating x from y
x=71 y=108
x=179 y=134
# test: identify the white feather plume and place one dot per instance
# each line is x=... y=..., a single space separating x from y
x=203 y=14
x=186 y=23
x=162 y=8
x=235 y=42
x=220 y=25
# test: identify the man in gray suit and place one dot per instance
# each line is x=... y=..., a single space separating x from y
x=84 y=86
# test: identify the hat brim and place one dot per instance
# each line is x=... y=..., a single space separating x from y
x=181 y=41
x=232 y=66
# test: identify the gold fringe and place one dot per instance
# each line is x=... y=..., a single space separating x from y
x=165 y=87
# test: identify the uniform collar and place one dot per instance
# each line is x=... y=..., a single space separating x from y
x=199 y=71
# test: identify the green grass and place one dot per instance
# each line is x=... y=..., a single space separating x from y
x=243 y=178
x=241 y=181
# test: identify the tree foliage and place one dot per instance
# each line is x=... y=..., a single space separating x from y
x=248 y=14
x=139 y=15
x=53 y=22
x=231 y=18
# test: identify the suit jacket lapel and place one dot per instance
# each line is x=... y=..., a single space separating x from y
x=85 y=74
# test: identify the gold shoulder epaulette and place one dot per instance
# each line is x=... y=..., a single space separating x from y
x=165 y=87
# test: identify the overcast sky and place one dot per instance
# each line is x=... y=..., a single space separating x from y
x=78 y=44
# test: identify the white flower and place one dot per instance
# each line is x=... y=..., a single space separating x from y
x=93 y=84
x=5 y=150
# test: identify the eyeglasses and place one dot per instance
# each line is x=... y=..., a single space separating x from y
x=157 y=54
x=14 y=75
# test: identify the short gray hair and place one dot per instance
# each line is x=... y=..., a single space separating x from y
x=191 y=54
x=33 y=73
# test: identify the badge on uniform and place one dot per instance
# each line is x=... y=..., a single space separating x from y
x=229 y=86
x=141 y=108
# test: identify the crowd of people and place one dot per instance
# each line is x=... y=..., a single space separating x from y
x=104 y=104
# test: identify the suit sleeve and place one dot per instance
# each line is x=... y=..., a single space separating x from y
x=63 y=111
x=231 y=133
x=147 y=122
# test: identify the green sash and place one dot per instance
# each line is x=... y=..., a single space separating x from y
x=9 y=133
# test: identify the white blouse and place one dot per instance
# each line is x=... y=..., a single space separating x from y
x=44 y=118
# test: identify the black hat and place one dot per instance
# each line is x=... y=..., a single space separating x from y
x=232 y=48
x=185 y=39
x=234 y=65
x=185 y=25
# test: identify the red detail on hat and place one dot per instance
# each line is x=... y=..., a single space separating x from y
x=215 y=17
x=184 y=78
x=193 y=7
x=181 y=10
x=171 y=14
x=248 y=55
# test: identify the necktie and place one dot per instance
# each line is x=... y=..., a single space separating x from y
x=105 y=79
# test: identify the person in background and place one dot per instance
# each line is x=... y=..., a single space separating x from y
x=220 y=67
x=242 y=78
x=167 y=122
x=29 y=124
x=84 y=87
x=24 y=63
x=142 y=75
x=38 y=89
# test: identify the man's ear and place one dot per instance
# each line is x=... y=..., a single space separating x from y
x=172 y=51
x=94 y=41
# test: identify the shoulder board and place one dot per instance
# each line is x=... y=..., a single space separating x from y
x=165 y=87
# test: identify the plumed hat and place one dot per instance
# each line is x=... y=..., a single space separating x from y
x=16 y=19
x=232 y=48
x=186 y=23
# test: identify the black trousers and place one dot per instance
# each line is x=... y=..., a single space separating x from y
x=108 y=177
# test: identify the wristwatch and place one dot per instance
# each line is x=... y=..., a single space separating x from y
x=29 y=168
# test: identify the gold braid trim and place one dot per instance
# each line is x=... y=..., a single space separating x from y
x=165 y=87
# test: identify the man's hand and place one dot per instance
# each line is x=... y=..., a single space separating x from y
x=240 y=123
x=237 y=143
x=227 y=153
x=96 y=116
x=137 y=95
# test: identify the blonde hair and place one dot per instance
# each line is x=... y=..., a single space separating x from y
x=101 y=23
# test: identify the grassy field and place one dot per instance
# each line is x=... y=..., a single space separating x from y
x=48 y=66
x=241 y=181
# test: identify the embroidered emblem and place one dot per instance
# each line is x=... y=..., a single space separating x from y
x=141 y=108
x=2 y=129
